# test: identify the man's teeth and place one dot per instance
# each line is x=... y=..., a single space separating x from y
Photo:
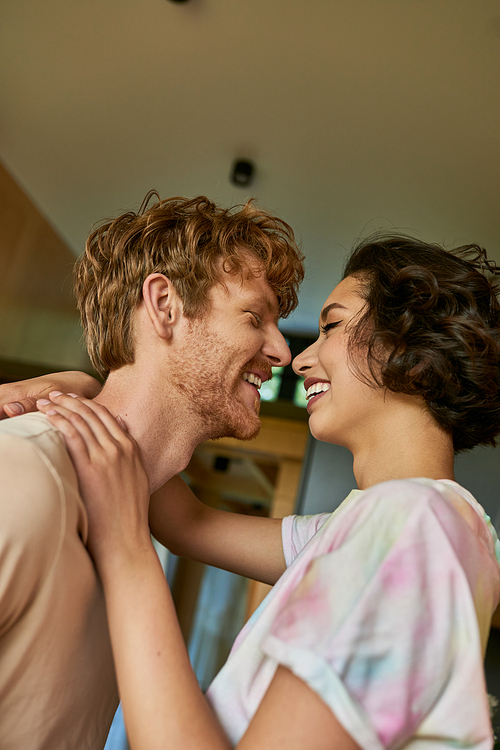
x=252 y=378
x=316 y=388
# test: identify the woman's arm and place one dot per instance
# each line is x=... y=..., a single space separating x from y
x=248 y=545
x=21 y=397
x=162 y=704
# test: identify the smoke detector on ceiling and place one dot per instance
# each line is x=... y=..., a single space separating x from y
x=242 y=173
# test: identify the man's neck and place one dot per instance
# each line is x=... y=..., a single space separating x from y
x=166 y=435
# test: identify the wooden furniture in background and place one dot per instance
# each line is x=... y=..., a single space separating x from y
x=261 y=476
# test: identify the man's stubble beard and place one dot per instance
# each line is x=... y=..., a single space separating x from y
x=207 y=382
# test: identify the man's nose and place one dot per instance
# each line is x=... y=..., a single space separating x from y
x=277 y=350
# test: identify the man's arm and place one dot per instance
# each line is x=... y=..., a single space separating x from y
x=20 y=398
x=248 y=545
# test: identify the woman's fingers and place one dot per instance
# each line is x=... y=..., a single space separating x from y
x=22 y=406
x=20 y=398
x=72 y=422
x=77 y=440
x=113 y=482
x=93 y=435
x=90 y=418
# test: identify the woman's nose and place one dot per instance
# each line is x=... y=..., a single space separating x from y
x=305 y=360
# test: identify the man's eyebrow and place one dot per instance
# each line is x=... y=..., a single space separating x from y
x=334 y=306
x=272 y=307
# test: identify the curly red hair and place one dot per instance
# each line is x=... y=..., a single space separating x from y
x=185 y=240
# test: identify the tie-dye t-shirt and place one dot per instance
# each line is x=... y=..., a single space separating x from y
x=384 y=610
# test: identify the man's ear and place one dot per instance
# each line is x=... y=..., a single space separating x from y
x=162 y=303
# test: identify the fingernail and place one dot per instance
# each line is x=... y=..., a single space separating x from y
x=43 y=402
x=55 y=393
x=15 y=408
x=50 y=412
x=73 y=395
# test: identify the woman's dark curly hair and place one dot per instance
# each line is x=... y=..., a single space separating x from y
x=437 y=314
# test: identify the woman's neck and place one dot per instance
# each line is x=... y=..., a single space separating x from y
x=411 y=445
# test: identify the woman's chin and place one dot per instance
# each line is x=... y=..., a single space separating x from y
x=324 y=433
x=318 y=430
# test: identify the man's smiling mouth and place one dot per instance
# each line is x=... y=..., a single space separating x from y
x=252 y=378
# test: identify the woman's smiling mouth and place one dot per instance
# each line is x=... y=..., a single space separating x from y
x=315 y=389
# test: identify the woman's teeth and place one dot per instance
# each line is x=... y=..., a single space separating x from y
x=316 y=388
x=253 y=379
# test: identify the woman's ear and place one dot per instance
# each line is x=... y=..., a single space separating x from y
x=162 y=303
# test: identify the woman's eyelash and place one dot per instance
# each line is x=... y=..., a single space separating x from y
x=328 y=326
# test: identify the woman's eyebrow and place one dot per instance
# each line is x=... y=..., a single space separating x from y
x=334 y=306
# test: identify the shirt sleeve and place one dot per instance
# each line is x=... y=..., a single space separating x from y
x=297 y=531
x=383 y=624
x=32 y=518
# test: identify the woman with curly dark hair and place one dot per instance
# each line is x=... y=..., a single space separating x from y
x=374 y=635
x=438 y=316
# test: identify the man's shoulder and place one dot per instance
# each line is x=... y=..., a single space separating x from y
x=33 y=433
x=39 y=492
x=38 y=506
x=31 y=451
x=28 y=426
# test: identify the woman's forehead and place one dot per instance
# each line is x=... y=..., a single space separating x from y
x=347 y=294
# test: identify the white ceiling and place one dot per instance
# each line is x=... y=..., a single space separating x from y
x=359 y=114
